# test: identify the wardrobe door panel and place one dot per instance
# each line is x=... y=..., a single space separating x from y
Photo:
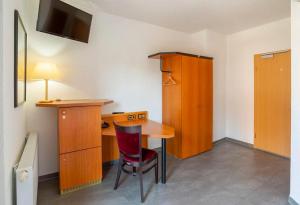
x=171 y=101
x=206 y=103
x=196 y=105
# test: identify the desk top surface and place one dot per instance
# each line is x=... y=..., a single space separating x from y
x=75 y=103
x=151 y=128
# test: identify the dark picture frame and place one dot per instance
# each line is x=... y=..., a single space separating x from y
x=20 y=60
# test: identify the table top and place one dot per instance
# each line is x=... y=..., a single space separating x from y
x=75 y=103
x=150 y=128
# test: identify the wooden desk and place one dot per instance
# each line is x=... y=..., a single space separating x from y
x=149 y=128
x=80 y=144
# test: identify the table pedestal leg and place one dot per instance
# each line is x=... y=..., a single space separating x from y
x=163 y=161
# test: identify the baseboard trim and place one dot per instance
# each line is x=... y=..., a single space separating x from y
x=48 y=177
x=248 y=145
x=292 y=201
x=109 y=163
x=228 y=139
x=73 y=189
x=219 y=141
x=244 y=144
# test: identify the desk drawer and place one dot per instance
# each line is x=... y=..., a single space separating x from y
x=78 y=169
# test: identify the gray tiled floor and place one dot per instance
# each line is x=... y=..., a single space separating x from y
x=228 y=175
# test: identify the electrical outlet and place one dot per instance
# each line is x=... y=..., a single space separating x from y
x=131 y=117
x=141 y=116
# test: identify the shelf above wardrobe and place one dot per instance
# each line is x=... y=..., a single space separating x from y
x=158 y=55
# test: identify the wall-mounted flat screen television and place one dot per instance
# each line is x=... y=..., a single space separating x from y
x=61 y=19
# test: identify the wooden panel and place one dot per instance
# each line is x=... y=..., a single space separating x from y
x=127 y=116
x=196 y=105
x=80 y=168
x=110 y=150
x=79 y=128
x=171 y=102
x=206 y=103
x=272 y=112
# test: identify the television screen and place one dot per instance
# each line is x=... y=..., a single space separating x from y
x=61 y=19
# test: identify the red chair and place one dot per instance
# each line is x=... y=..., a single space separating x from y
x=133 y=155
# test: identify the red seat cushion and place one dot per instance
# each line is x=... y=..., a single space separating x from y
x=147 y=155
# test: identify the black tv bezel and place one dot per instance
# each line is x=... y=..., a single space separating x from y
x=64 y=36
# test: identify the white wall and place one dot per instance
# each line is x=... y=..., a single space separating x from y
x=1 y=110
x=241 y=48
x=215 y=45
x=295 y=154
x=210 y=43
x=14 y=123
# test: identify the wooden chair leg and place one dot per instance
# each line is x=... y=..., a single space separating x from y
x=118 y=174
x=156 y=171
x=140 y=173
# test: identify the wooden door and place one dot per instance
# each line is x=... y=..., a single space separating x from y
x=197 y=84
x=79 y=128
x=171 y=102
x=80 y=168
x=272 y=103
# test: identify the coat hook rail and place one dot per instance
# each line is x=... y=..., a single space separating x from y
x=161 y=67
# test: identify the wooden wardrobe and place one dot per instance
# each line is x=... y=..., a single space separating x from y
x=187 y=101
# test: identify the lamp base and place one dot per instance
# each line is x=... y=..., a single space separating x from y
x=45 y=101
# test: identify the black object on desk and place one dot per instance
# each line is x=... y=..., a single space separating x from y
x=105 y=125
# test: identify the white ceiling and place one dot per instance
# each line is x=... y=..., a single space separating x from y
x=225 y=16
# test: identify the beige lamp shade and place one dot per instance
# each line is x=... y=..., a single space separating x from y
x=44 y=71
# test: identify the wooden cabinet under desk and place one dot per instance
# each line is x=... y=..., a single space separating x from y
x=78 y=128
x=79 y=138
x=80 y=168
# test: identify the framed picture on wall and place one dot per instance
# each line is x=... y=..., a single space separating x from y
x=20 y=61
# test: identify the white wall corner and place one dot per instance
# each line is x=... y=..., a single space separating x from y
x=215 y=45
x=295 y=138
x=2 y=182
x=292 y=201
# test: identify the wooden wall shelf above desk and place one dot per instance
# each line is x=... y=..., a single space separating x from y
x=73 y=103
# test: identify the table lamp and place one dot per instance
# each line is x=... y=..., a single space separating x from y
x=45 y=71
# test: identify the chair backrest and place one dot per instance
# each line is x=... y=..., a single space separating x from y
x=129 y=140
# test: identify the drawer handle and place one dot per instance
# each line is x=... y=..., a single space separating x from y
x=64 y=117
